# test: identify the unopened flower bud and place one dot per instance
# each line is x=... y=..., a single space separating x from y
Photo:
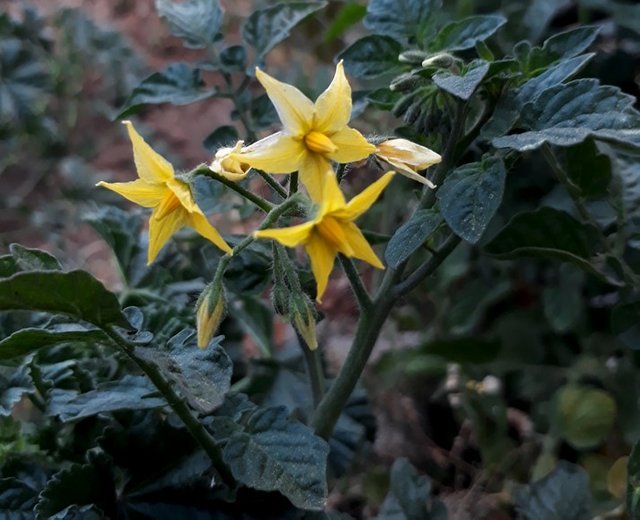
x=210 y=311
x=408 y=158
x=407 y=82
x=442 y=60
x=412 y=56
x=228 y=163
x=303 y=318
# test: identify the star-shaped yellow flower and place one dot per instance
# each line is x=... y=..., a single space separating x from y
x=333 y=231
x=171 y=199
x=408 y=158
x=314 y=133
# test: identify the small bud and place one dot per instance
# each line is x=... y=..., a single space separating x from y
x=210 y=311
x=303 y=318
x=407 y=82
x=412 y=56
x=228 y=163
x=442 y=60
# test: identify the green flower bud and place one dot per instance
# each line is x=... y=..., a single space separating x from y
x=303 y=318
x=407 y=82
x=412 y=56
x=210 y=311
x=442 y=60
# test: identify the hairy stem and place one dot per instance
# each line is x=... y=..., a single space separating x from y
x=358 y=288
x=255 y=199
x=273 y=184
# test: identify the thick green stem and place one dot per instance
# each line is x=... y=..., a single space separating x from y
x=358 y=288
x=255 y=199
x=273 y=184
x=175 y=402
x=315 y=371
x=293 y=183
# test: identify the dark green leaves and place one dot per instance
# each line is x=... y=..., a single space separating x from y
x=25 y=341
x=565 y=115
x=470 y=197
x=401 y=19
x=33 y=259
x=464 y=34
x=409 y=237
x=226 y=135
x=196 y=21
x=178 y=84
x=562 y=495
x=266 y=28
x=633 y=482
x=275 y=453
x=462 y=85
x=588 y=169
x=17 y=499
x=409 y=496
x=372 y=56
x=76 y=294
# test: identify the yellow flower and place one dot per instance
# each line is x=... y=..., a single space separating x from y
x=408 y=158
x=171 y=199
x=227 y=162
x=313 y=134
x=332 y=231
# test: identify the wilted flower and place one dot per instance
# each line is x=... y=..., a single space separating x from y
x=210 y=311
x=228 y=163
x=408 y=158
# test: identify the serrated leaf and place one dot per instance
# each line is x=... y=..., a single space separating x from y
x=568 y=44
x=90 y=484
x=402 y=19
x=76 y=294
x=17 y=499
x=129 y=393
x=26 y=341
x=372 y=56
x=274 y=453
x=202 y=375
x=198 y=22
x=566 y=115
x=266 y=28
x=462 y=85
x=584 y=415
x=562 y=495
x=409 y=495
x=33 y=259
x=465 y=34
x=178 y=84
x=409 y=237
x=470 y=197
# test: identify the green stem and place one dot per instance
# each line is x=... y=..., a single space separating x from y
x=314 y=368
x=358 y=288
x=181 y=409
x=293 y=183
x=258 y=201
x=273 y=184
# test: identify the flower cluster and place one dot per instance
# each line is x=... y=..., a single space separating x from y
x=315 y=136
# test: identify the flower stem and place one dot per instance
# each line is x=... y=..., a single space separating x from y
x=181 y=409
x=273 y=184
x=314 y=369
x=358 y=288
x=258 y=201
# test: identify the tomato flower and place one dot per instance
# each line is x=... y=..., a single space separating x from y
x=408 y=158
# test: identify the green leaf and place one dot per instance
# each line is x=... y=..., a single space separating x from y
x=222 y=136
x=625 y=323
x=465 y=34
x=633 y=482
x=203 y=376
x=470 y=197
x=17 y=499
x=26 y=341
x=402 y=19
x=76 y=294
x=263 y=113
x=128 y=393
x=462 y=85
x=372 y=56
x=409 y=237
x=266 y=28
x=198 y=22
x=562 y=495
x=178 y=84
x=33 y=259
x=562 y=301
x=348 y=15
x=24 y=82
x=274 y=453
x=566 y=115
x=80 y=485
x=256 y=319
x=588 y=169
x=409 y=496
x=570 y=43
x=233 y=58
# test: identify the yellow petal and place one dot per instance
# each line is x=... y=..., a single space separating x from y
x=183 y=192
x=407 y=172
x=332 y=197
x=200 y=223
x=141 y=192
x=333 y=232
x=359 y=246
x=161 y=230
x=151 y=166
x=289 y=236
x=333 y=107
x=322 y=256
x=352 y=146
x=408 y=153
x=227 y=164
x=314 y=170
x=277 y=153
x=365 y=199
x=294 y=108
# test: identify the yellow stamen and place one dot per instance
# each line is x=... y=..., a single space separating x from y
x=333 y=233
x=319 y=143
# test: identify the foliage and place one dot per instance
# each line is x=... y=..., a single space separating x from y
x=517 y=274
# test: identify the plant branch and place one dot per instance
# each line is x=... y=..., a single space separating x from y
x=273 y=184
x=255 y=199
x=314 y=368
x=358 y=288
